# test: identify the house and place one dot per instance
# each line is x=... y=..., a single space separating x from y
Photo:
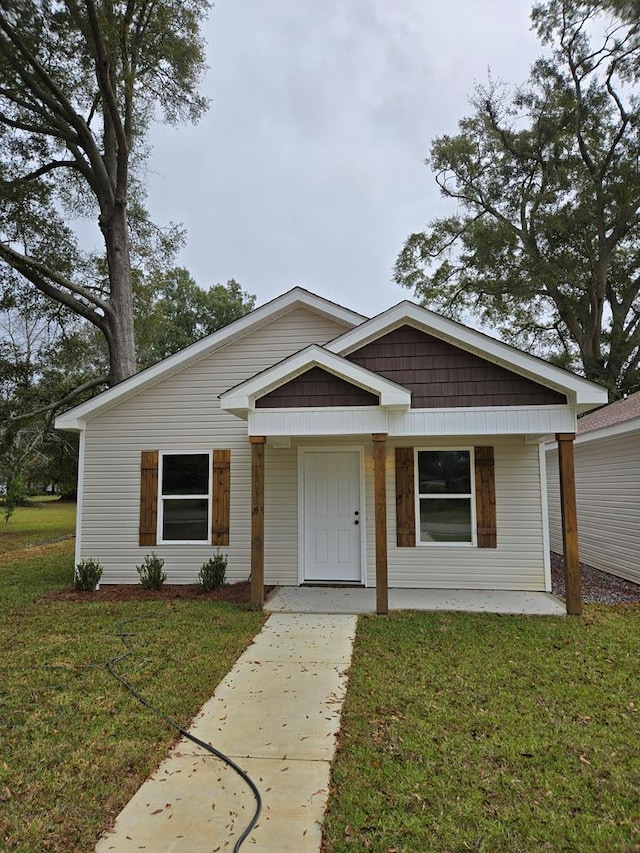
x=315 y=446
x=607 y=467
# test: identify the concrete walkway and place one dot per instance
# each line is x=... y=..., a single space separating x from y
x=276 y=714
x=308 y=599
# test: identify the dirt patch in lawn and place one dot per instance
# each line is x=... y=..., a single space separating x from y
x=237 y=593
x=52 y=546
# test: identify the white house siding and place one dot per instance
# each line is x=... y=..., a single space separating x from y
x=182 y=413
x=517 y=562
x=608 y=502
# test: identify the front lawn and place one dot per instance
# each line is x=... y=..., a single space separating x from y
x=473 y=732
x=40 y=521
x=75 y=744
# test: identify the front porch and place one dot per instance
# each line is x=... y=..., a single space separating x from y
x=388 y=518
x=336 y=600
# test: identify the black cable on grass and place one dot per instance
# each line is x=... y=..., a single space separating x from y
x=110 y=665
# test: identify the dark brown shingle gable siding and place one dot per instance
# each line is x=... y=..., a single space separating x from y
x=316 y=387
x=441 y=375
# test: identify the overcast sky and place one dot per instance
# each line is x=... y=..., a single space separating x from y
x=308 y=168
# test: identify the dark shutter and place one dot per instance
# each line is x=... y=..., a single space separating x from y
x=485 y=497
x=148 y=498
x=405 y=498
x=221 y=491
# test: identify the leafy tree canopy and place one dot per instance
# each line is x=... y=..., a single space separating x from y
x=46 y=363
x=546 y=244
x=172 y=311
x=80 y=82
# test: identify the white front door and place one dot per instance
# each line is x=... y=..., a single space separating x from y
x=332 y=516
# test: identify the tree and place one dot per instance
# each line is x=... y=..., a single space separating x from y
x=47 y=361
x=547 y=244
x=172 y=311
x=50 y=358
x=629 y=10
x=80 y=82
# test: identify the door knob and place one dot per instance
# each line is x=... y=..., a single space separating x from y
x=356 y=521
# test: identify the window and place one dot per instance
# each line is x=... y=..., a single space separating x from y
x=444 y=494
x=184 y=497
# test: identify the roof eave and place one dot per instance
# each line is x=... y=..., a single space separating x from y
x=75 y=419
x=582 y=393
x=242 y=397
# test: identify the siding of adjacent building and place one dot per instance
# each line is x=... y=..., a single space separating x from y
x=182 y=413
x=608 y=501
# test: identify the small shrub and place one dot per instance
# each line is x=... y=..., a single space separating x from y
x=213 y=573
x=15 y=495
x=151 y=574
x=87 y=575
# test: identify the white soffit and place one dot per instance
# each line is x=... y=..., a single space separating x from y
x=582 y=393
x=241 y=398
x=298 y=297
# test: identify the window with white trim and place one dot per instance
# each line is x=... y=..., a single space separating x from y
x=184 y=511
x=444 y=496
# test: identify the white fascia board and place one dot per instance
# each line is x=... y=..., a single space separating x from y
x=75 y=418
x=581 y=392
x=243 y=396
x=298 y=423
x=492 y=420
x=416 y=423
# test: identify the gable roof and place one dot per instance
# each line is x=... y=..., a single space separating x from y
x=295 y=298
x=581 y=392
x=619 y=416
x=241 y=398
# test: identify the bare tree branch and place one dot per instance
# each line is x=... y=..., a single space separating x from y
x=41 y=275
x=58 y=404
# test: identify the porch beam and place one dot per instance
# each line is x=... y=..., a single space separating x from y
x=572 y=580
x=380 y=491
x=257 y=521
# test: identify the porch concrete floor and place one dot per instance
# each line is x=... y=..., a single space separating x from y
x=310 y=599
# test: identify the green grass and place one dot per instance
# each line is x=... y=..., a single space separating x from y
x=41 y=521
x=472 y=732
x=75 y=744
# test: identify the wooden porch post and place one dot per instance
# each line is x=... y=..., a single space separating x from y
x=572 y=580
x=380 y=489
x=257 y=521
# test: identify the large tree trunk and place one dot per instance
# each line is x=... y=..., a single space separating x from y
x=120 y=337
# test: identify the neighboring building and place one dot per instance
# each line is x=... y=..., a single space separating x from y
x=318 y=446
x=607 y=466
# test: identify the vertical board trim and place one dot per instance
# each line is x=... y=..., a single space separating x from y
x=221 y=497
x=405 y=498
x=147 y=532
x=485 y=497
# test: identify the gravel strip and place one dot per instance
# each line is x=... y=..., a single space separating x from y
x=597 y=587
